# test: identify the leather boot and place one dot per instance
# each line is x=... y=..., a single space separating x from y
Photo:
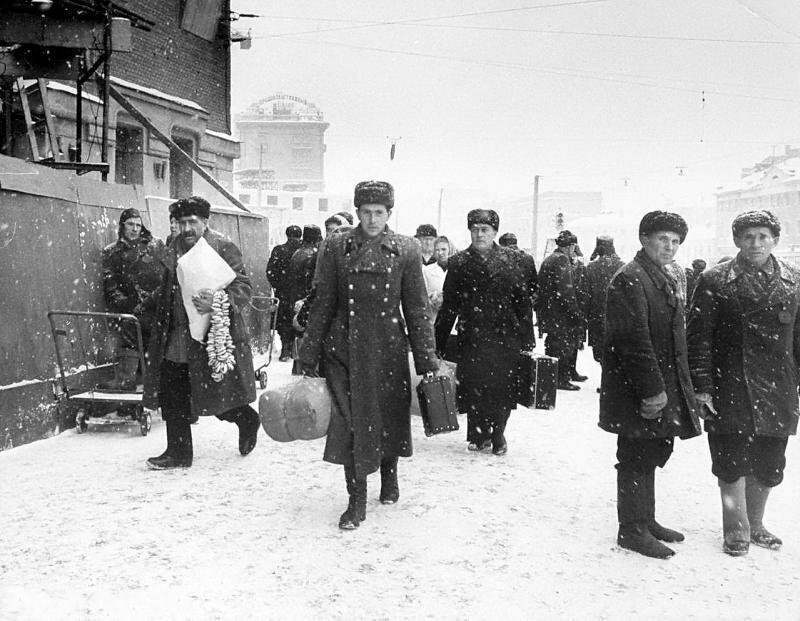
x=356 y=511
x=179 y=451
x=659 y=532
x=735 y=524
x=756 y=495
x=248 y=423
x=634 y=533
x=390 y=490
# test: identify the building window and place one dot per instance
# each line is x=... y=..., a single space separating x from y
x=297 y=202
x=180 y=173
x=272 y=200
x=201 y=17
x=323 y=204
x=129 y=155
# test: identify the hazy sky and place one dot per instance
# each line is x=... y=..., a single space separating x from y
x=591 y=94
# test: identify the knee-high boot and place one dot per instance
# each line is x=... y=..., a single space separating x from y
x=390 y=490
x=632 y=514
x=757 y=495
x=356 y=511
x=659 y=532
x=179 y=451
x=735 y=524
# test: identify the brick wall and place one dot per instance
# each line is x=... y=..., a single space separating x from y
x=177 y=62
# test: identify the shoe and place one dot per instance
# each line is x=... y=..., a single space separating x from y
x=284 y=358
x=663 y=533
x=500 y=449
x=637 y=538
x=390 y=490
x=479 y=446
x=168 y=461
x=738 y=547
x=249 y=425
x=565 y=385
x=577 y=377
x=356 y=511
x=765 y=539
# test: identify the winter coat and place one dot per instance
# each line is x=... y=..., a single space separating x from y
x=357 y=330
x=131 y=277
x=593 y=294
x=278 y=265
x=490 y=298
x=300 y=272
x=209 y=398
x=645 y=354
x=557 y=305
x=744 y=348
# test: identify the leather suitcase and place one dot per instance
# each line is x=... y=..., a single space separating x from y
x=538 y=381
x=437 y=402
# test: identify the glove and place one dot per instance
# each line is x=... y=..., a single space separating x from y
x=706 y=410
x=651 y=407
x=309 y=370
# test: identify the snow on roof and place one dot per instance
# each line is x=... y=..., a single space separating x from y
x=58 y=86
x=188 y=103
x=221 y=135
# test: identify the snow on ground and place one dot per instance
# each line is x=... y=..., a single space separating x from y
x=86 y=532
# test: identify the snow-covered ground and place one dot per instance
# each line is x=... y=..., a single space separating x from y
x=86 y=532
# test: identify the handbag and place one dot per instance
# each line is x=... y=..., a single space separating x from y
x=300 y=410
x=437 y=403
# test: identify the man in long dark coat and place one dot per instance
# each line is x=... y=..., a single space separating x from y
x=276 y=275
x=646 y=395
x=558 y=309
x=744 y=352
x=692 y=274
x=300 y=272
x=357 y=330
x=527 y=262
x=179 y=379
x=596 y=277
x=486 y=291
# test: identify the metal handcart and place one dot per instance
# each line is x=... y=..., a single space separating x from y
x=267 y=306
x=85 y=394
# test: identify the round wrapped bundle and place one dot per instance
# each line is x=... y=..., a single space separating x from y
x=308 y=408
x=297 y=411
x=272 y=410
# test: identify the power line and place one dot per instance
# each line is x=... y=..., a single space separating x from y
x=766 y=19
x=417 y=20
x=549 y=70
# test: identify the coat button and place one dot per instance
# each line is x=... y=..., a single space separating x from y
x=352 y=313
x=352 y=301
x=350 y=286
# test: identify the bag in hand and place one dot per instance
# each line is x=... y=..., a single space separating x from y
x=437 y=402
x=300 y=410
x=538 y=381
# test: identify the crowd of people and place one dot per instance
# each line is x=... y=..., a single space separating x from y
x=679 y=349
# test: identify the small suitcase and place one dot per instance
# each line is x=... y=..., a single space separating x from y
x=538 y=381
x=437 y=402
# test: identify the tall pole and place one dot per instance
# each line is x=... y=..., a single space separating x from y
x=260 y=165
x=106 y=79
x=535 y=215
x=439 y=214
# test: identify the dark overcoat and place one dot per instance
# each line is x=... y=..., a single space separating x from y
x=744 y=349
x=209 y=398
x=357 y=329
x=557 y=305
x=300 y=273
x=645 y=354
x=490 y=298
x=277 y=269
x=595 y=281
x=131 y=277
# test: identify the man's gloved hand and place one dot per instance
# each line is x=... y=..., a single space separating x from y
x=650 y=407
x=309 y=370
x=706 y=410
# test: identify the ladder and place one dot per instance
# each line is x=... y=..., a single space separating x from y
x=53 y=139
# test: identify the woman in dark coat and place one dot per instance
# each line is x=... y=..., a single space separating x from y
x=646 y=393
x=744 y=335
x=486 y=290
x=358 y=332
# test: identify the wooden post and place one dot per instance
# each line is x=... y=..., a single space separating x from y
x=535 y=216
x=106 y=77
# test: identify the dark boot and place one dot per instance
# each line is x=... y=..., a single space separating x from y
x=499 y=444
x=573 y=370
x=286 y=347
x=659 y=532
x=757 y=495
x=632 y=515
x=249 y=423
x=735 y=524
x=390 y=490
x=357 y=504
x=179 y=451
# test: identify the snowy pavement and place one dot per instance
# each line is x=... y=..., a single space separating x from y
x=86 y=532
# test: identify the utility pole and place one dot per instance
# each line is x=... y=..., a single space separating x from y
x=535 y=215
x=260 y=165
x=439 y=215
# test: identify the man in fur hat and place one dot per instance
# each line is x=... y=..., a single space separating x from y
x=179 y=378
x=646 y=396
x=744 y=353
x=276 y=275
x=131 y=275
x=426 y=236
x=559 y=311
x=604 y=264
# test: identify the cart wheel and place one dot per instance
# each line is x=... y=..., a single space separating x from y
x=262 y=378
x=80 y=421
x=145 y=421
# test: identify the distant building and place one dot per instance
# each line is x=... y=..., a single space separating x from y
x=774 y=184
